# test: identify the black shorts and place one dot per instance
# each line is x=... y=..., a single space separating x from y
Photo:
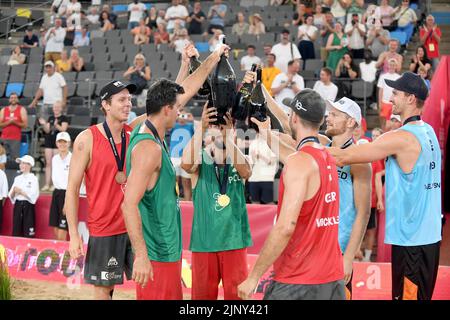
x=50 y=141
x=372 y=224
x=261 y=192
x=57 y=218
x=24 y=219
x=326 y=291
x=414 y=271
x=107 y=259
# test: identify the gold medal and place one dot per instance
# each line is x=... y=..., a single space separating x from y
x=223 y=200
x=121 y=178
x=177 y=189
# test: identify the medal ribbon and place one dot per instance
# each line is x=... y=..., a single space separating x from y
x=306 y=140
x=119 y=160
x=222 y=184
x=152 y=128
x=411 y=119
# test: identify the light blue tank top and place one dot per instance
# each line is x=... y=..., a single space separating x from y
x=413 y=200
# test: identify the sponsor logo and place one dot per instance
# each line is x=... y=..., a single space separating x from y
x=330 y=197
x=112 y=262
x=299 y=106
x=104 y=275
x=234 y=178
x=327 y=222
x=435 y=185
x=118 y=84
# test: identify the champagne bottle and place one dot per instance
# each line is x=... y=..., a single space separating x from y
x=257 y=102
x=240 y=107
x=223 y=87
x=205 y=90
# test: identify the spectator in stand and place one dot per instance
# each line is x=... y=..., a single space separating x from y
x=307 y=34
x=327 y=89
x=55 y=41
x=139 y=74
x=64 y=64
x=346 y=69
x=214 y=41
x=112 y=17
x=3 y=160
x=267 y=48
x=105 y=22
x=241 y=26
x=180 y=40
x=23 y=194
x=216 y=16
x=325 y=31
x=368 y=67
x=406 y=19
x=30 y=40
x=319 y=17
x=60 y=177
x=161 y=16
x=264 y=167
x=53 y=88
x=3 y=187
x=430 y=37
x=136 y=12
x=369 y=18
x=72 y=7
x=285 y=51
x=152 y=16
x=378 y=40
x=336 y=46
x=356 y=32
x=196 y=19
x=76 y=61
x=424 y=74
x=141 y=33
x=42 y=40
x=59 y=7
x=269 y=72
x=394 y=123
x=299 y=16
x=355 y=7
x=73 y=15
x=250 y=58
x=93 y=16
x=385 y=92
x=420 y=59
x=17 y=57
x=161 y=35
x=13 y=118
x=287 y=85
x=257 y=26
x=386 y=13
x=390 y=54
x=176 y=13
x=55 y=124
x=339 y=9
x=82 y=39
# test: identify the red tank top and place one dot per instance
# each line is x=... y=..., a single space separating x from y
x=12 y=131
x=104 y=194
x=312 y=255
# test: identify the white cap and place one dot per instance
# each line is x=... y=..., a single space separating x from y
x=26 y=159
x=63 y=136
x=396 y=117
x=49 y=63
x=349 y=107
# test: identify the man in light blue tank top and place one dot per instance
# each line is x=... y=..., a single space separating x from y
x=344 y=116
x=413 y=190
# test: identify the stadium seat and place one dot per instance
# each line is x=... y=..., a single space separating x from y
x=104 y=76
x=399 y=35
x=86 y=89
x=85 y=75
x=120 y=8
x=77 y=111
x=313 y=65
x=202 y=46
x=102 y=65
x=71 y=88
x=70 y=76
x=362 y=89
x=89 y=66
x=310 y=84
x=119 y=65
x=14 y=87
x=30 y=89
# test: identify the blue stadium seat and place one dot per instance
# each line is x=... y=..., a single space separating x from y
x=14 y=87
x=120 y=8
x=399 y=35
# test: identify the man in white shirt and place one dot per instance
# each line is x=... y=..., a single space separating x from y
x=3 y=192
x=24 y=194
x=285 y=51
x=53 y=88
x=176 y=12
x=356 y=32
x=249 y=59
x=264 y=167
x=60 y=177
x=327 y=89
x=385 y=92
x=73 y=7
x=55 y=41
x=59 y=7
x=136 y=12
x=287 y=85
x=82 y=39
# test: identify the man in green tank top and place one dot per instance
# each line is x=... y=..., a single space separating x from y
x=220 y=228
x=150 y=207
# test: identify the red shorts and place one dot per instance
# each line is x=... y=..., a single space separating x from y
x=166 y=284
x=386 y=110
x=208 y=268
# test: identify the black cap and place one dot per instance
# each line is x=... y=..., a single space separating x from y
x=114 y=87
x=308 y=105
x=410 y=83
x=286 y=31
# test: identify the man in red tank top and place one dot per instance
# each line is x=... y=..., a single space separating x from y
x=303 y=245
x=99 y=158
x=12 y=119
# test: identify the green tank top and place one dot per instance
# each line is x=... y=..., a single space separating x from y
x=216 y=228
x=159 y=208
